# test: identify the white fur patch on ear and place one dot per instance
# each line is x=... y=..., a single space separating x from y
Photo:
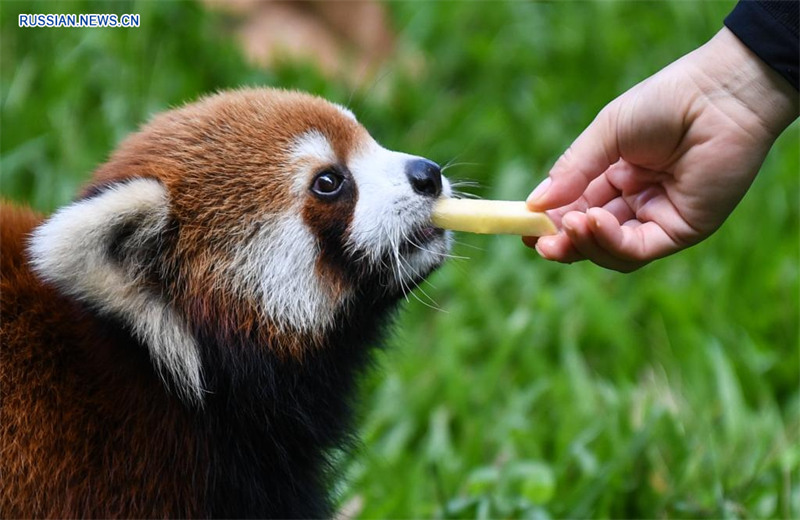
x=72 y=250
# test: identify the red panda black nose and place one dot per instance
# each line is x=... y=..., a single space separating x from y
x=425 y=177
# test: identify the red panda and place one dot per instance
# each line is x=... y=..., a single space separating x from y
x=183 y=340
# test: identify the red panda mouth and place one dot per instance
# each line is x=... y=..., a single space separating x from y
x=419 y=238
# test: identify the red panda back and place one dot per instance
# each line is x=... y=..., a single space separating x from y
x=57 y=401
x=17 y=224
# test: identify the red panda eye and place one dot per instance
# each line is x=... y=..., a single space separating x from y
x=327 y=184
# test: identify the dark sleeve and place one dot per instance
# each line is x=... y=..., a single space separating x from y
x=770 y=29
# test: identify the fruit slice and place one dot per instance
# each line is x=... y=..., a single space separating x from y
x=491 y=217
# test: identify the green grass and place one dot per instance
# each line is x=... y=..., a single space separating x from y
x=538 y=390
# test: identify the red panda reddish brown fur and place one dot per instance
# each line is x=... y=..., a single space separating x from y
x=184 y=339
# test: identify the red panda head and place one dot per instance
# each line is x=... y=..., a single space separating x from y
x=258 y=213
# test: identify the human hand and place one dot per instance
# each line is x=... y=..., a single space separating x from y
x=663 y=165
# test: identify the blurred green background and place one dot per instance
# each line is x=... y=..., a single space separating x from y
x=538 y=390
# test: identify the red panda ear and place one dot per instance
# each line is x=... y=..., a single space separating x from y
x=97 y=249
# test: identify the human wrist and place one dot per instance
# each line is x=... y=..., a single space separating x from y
x=726 y=67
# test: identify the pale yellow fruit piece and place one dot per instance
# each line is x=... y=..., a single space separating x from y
x=491 y=217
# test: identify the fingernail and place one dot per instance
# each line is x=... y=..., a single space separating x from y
x=540 y=190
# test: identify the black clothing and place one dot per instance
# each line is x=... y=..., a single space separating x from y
x=770 y=29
